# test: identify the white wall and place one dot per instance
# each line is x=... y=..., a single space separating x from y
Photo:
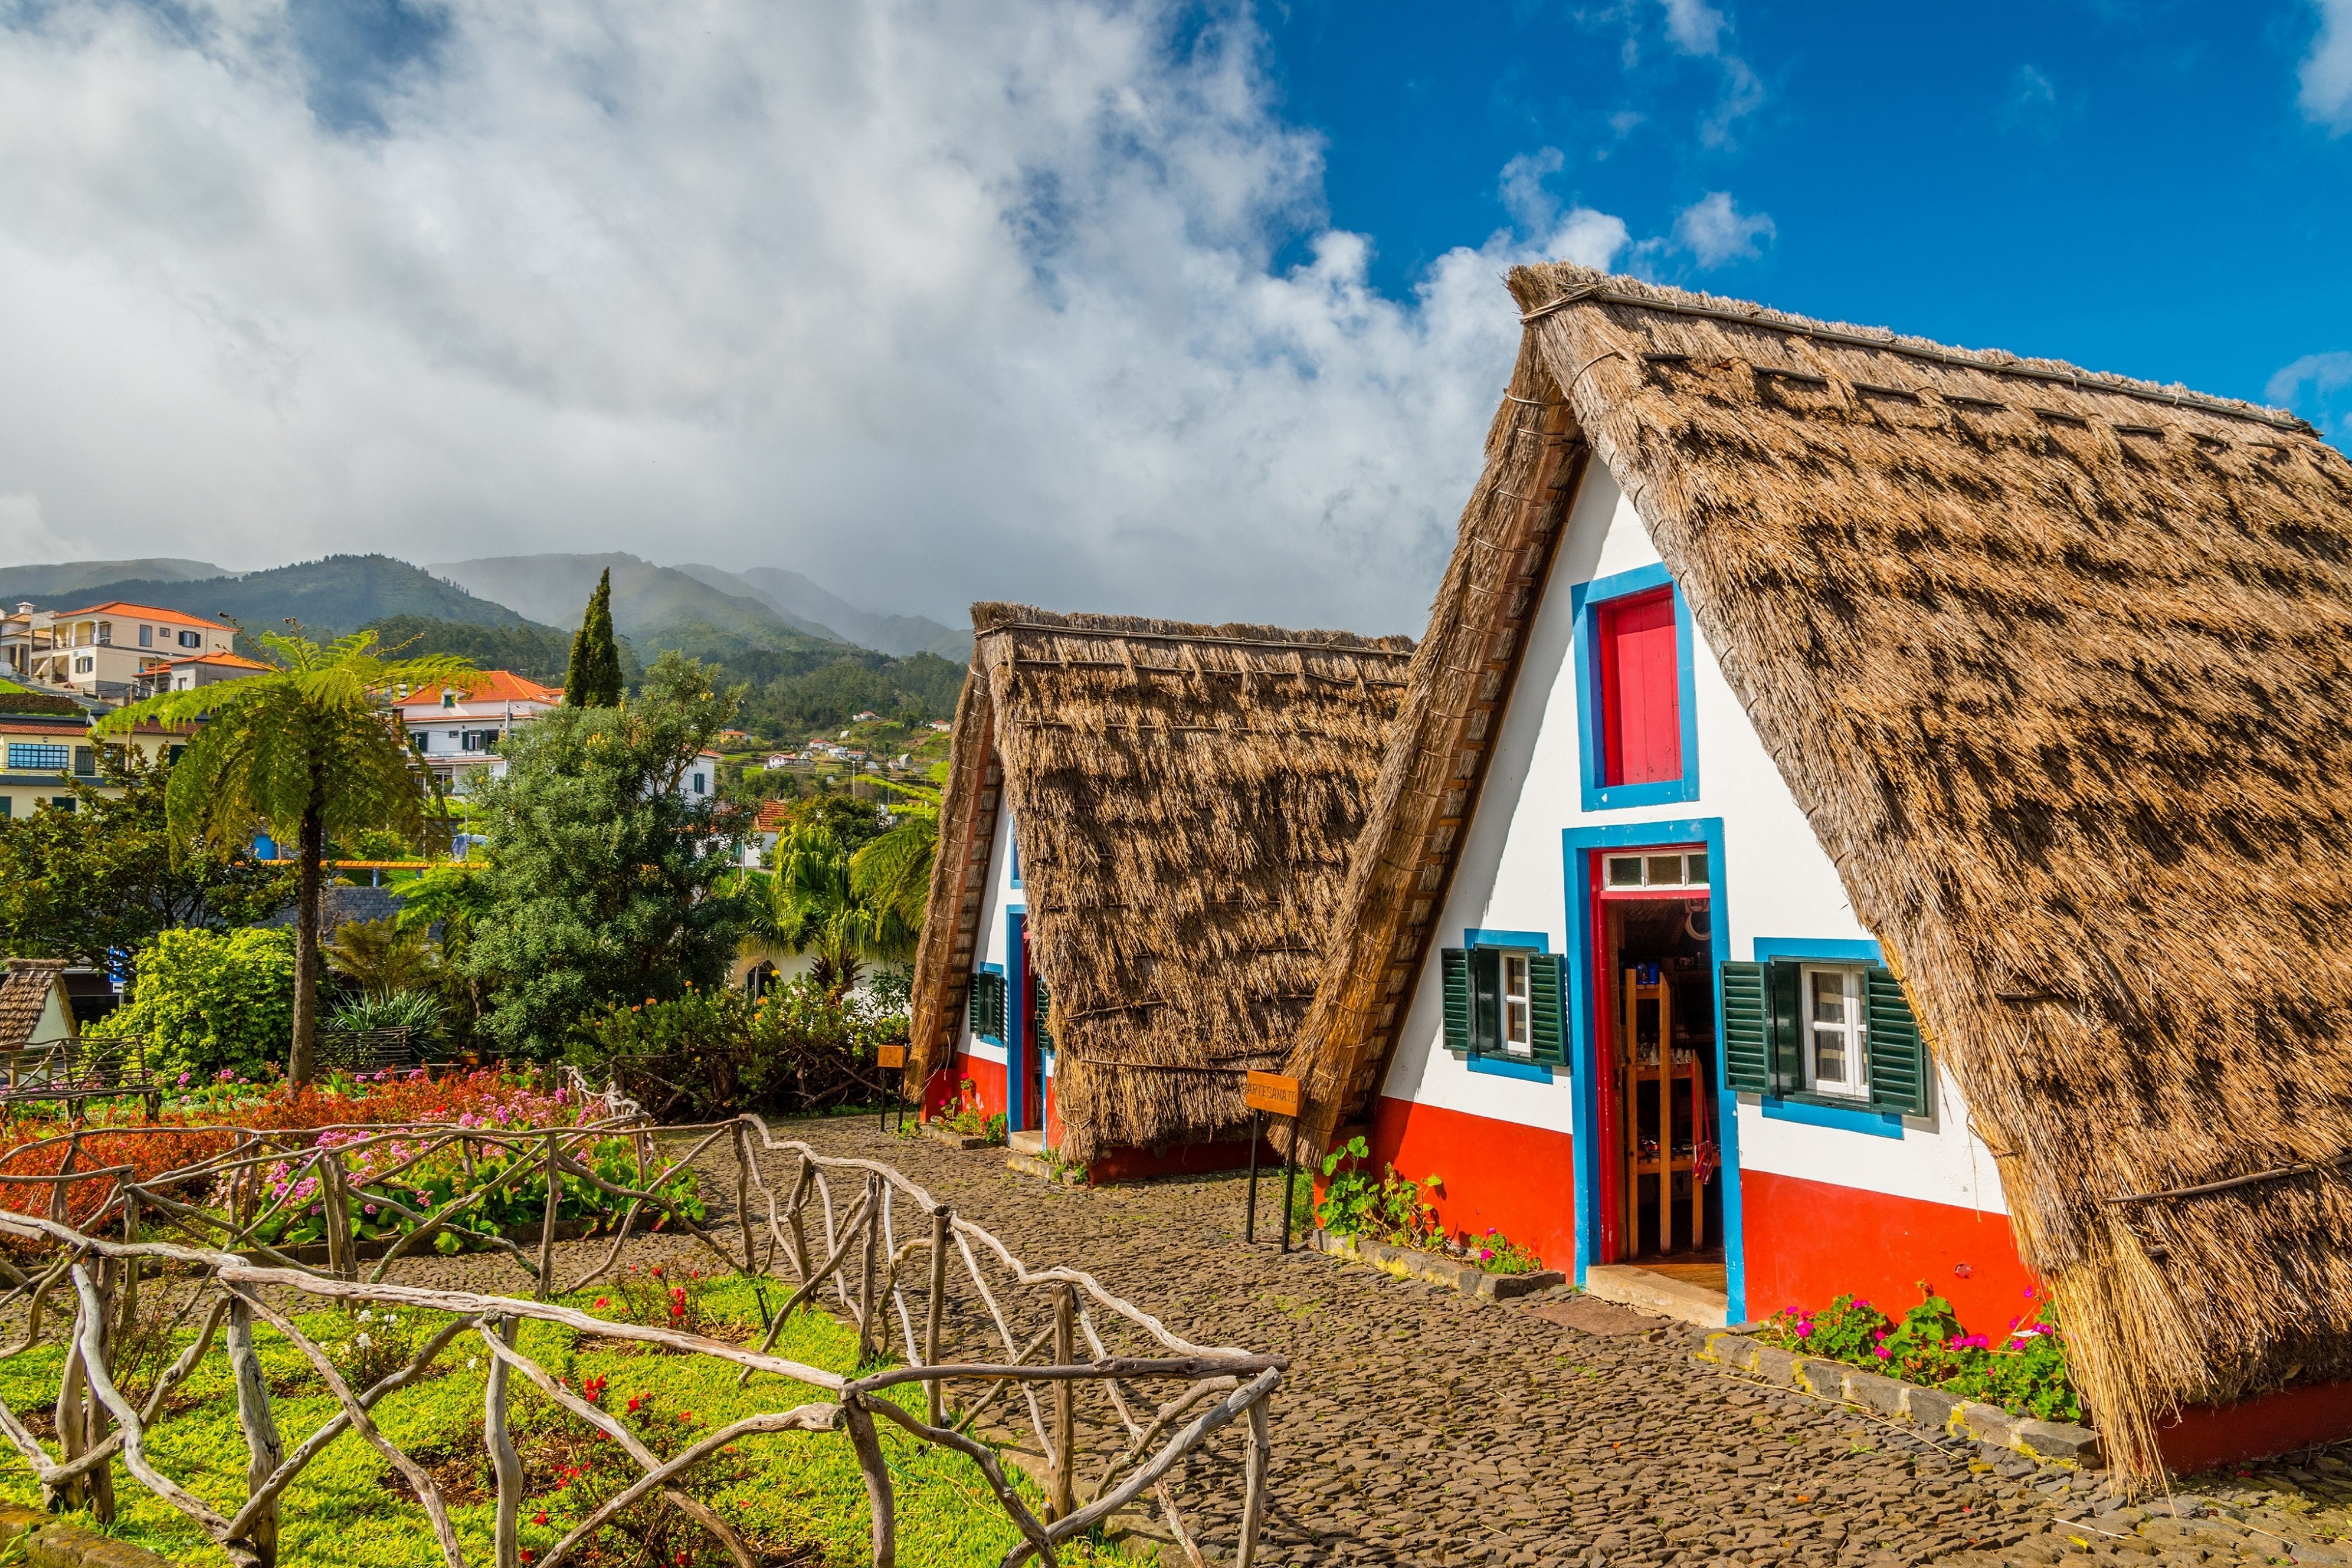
x=1002 y=898
x=1775 y=881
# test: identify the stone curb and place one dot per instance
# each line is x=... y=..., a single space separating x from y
x=55 y=1543
x=1454 y=1275
x=941 y=1133
x=2045 y=1442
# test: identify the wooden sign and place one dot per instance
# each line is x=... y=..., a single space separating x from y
x=1272 y=1094
x=890 y=1056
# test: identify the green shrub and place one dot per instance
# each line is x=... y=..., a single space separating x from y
x=417 y=1011
x=2025 y=1371
x=211 y=1002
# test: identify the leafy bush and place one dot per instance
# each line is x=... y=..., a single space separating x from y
x=1391 y=1209
x=210 y=1001
x=713 y=1053
x=2026 y=1371
x=417 y=1011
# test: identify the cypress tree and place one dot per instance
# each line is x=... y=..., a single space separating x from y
x=594 y=679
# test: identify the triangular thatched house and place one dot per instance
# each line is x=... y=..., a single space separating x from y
x=1145 y=830
x=1868 y=813
x=35 y=1008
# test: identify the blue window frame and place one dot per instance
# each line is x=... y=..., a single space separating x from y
x=1812 y=1112
x=1495 y=1066
x=1585 y=599
x=38 y=756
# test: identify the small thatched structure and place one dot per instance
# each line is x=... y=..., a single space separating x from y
x=1184 y=800
x=2059 y=667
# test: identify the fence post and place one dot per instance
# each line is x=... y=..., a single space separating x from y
x=801 y=1178
x=743 y=1195
x=546 y=1225
x=867 y=1315
x=336 y=1215
x=1254 y=1462
x=877 y=1480
x=503 y=1457
x=940 y=1223
x=1062 y=1502
x=94 y=1417
x=264 y=1450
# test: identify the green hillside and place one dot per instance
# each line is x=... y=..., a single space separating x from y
x=73 y=576
x=532 y=651
x=646 y=599
x=326 y=597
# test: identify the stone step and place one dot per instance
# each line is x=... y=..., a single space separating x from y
x=1031 y=1142
x=1629 y=1285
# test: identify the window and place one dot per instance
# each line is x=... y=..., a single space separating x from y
x=106 y=633
x=85 y=762
x=478 y=740
x=146 y=636
x=38 y=756
x=84 y=664
x=7 y=807
x=1836 y=1041
x=1640 y=690
x=448 y=699
x=701 y=783
x=987 y=1006
x=191 y=640
x=1656 y=868
x=172 y=754
x=63 y=802
x=1503 y=1002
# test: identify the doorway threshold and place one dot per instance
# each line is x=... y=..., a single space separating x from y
x=1661 y=1295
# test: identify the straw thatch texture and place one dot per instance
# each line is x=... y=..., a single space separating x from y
x=2060 y=668
x=1185 y=798
x=25 y=988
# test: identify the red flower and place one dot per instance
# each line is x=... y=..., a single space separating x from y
x=540 y=1518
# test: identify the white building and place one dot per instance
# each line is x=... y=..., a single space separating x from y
x=107 y=651
x=460 y=733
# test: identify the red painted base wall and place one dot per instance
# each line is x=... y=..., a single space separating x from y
x=940 y=1094
x=2203 y=1439
x=1809 y=1241
x=1517 y=1179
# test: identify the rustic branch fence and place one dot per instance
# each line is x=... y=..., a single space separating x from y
x=856 y=1229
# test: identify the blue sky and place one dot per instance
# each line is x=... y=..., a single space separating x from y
x=2138 y=188
x=1148 y=305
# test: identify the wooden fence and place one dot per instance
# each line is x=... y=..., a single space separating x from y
x=856 y=1229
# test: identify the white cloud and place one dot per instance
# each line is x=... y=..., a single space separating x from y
x=26 y=535
x=2319 y=386
x=2327 y=69
x=934 y=304
x=1698 y=28
x=1716 y=231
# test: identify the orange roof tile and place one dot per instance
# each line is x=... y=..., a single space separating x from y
x=231 y=660
x=772 y=815
x=492 y=686
x=124 y=610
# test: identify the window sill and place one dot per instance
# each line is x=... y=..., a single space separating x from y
x=1620 y=797
x=1510 y=1067
x=1822 y=1110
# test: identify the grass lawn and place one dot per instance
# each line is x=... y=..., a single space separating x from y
x=800 y=1496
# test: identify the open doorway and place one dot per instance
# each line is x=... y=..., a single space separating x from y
x=1660 y=1203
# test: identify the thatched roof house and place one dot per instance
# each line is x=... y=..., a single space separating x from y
x=33 y=1006
x=2057 y=666
x=1178 y=803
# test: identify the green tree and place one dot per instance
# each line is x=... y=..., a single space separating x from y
x=95 y=883
x=605 y=883
x=894 y=871
x=451 y=900
x=209 y=1000
x=594 y=679
x=308 y=749
x=813 y=901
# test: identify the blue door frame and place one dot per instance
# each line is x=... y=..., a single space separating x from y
x=1578 y=846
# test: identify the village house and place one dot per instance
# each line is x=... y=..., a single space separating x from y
x=104 y=651
x=1143 y=833
x=458 y=731
x=35 y=1008
x=1868 y=815
x=45 y=748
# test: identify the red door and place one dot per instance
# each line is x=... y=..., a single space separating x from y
x=1641 y=691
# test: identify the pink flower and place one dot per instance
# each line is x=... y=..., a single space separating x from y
x=1883 y=1352
x=1804 y=1331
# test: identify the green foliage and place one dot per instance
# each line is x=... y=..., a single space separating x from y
x=2025 y=1371
x=921 y=686
x=812 y=899
x=211 y=1000
x=593 y=677
x=1498 y=1254
x=379 y=958
x=894 y=873
x=532 y=651
x=712 y=1053
x=1391 y=1209
x=93 y=884
x=336 y=594
x=606 y=886
x=417 y=1011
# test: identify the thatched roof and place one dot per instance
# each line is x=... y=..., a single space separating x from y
x=2059 y=665
x=25 y=988
x=1185 y=798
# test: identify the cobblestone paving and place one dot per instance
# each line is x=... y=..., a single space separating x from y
x=1419 y=1427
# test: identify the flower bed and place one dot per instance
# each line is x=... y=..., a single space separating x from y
x=1396 y=1211
x=2026 y=1371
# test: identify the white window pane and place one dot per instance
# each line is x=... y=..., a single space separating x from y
x=1829 y=996
x=1829 y=1056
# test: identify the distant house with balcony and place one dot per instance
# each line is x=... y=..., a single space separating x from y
x=460 y=731
x=106 y=651
x=46 y=750
x=195 y=672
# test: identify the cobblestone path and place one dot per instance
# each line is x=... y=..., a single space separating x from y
x=1419 y=1427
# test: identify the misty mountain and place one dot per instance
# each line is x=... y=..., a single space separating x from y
x=38 y=582
x=654 y=606
x=341 y=593
x=794 y=595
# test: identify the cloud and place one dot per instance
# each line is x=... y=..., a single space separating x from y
x=2327 y=69
x=27 y=538
x=2318 y=387
x=933 y=304
x=1716 y=231
x=1698 y=28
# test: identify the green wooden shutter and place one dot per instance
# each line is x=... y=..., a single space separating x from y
x=1045 y=1012
x=1898 y=1057
x=1784 y=979
x=1746 y=1028
x=1487 y=1000
x=1547 y=1006
x=987 y=1005
x=1455 y=963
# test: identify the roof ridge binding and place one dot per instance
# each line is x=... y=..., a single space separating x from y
x=2000 y=362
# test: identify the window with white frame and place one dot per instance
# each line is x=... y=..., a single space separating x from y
x=1836 y=1034
x=1518 y=1033
x=1656 y=868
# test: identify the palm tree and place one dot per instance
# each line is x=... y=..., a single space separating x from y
x=811 y=902
x=895 y=870
x=308 y=749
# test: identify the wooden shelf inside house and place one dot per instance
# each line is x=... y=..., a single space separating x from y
x=1674 y=1077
